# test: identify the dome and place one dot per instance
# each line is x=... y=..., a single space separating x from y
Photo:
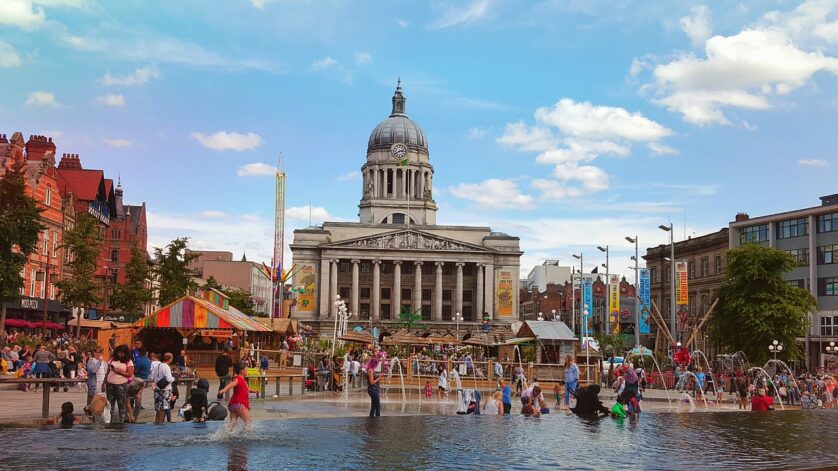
x=397 y=128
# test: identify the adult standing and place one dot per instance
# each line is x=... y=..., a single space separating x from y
x=498 y=370
x=571 y=379
x=97 y=368
x=142 y=365
x=223 y=363
x=182 y=360
x=42 y=360
x=135 y=353
x=373 y=389
x=518 y=378
x=120 y=370
x=239 y=404
x=161 y=380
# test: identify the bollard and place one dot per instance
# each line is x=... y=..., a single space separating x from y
x=290 y=385
x=262 y=383
x=277 y=385
x=303 y=383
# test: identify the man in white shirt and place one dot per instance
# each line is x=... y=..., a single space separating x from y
x=162 y=395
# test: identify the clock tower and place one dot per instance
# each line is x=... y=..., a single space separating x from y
x=397 y=175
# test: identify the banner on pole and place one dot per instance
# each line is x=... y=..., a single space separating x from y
x=614 y=302
x=587 y=302
x=645 y=300
x=681 y=283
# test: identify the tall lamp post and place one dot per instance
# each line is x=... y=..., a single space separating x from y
x=672 y=305
x=831 y=349
x=341 y=320
x=775 y=348
x=581 y=258
x=607 y=289
x=637 y=308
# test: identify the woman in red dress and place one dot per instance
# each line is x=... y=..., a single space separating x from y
x=239 y=404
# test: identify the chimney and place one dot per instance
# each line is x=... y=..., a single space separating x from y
x=742 y=217
x=829 y=200
x=70 y=161
x=38 y=146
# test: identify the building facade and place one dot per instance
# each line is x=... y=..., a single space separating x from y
x=397 y=257
x=705 y=257
x=811 y=236
x=549 y=272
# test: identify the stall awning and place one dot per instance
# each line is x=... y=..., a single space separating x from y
x=19 y=323
x=49 y=325
x=189 y=312
x=547 y=330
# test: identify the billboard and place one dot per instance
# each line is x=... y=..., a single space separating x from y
x=681 y=283
x=614 y=302
x=305 y=283
x=504 y=294
x=645 y=295
x=587 y=302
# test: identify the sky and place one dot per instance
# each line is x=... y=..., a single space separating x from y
x=567 y=123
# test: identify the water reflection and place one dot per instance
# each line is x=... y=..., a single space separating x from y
x=237 y=459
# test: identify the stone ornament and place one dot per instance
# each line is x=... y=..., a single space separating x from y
x=406 y=240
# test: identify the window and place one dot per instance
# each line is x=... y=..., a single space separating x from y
x=719 y=266
x=365 y=311
x=446 y=295
x=386 y=268
x=466 y=296
x=344 y=293
x=801 y=255
x=385 y=311
x=793 y=228
x=828 y=222
x=115 y=233
x=406 y=294
x=752 y=234
x=54 y=245
x=385 y=293
x=468 y=270
x=797 y=283
x=426 y=294
x=366 y=267
x=45 y=248
x=827 y=254
x=32 y=283
x=48 y=197
x=828 y=286
x=114 y=255
x=42 y=293
x=653 y=275
x=448 y=269
x=692 y=304
x=408 y=268
x=467 y=316
x=365 y=293
x=705 y=266
x=344 y=267
x=691 y=268
x=398 y=218
x=829 y=326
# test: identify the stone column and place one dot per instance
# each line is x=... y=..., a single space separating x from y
x=404 y=183
x=438 y=293
x=489 y=291
x=459 y=289
x=478 y=297
x=375 y=312
x=355 y=301
x=324 y=307
x=396 y=298
x=417 y=287
x=333 y=288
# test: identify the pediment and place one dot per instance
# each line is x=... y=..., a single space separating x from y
x=407 y=240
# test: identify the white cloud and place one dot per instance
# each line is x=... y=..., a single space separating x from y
x=301 y=213
x=111 y=100
x=458 y=14
x=22 y=14
x=779 y=54
x=8 y=56
x=349 y=176
x=813 y=162
x=324 y=63
x=402 y=23
x=697 y=25
x=118 y=142
x=140 y=76
x=332 y=68
x=256 y=169
x=493 y=194
x=571 y=133
x=213 y=214
x=477 y=133
x=363 y=58
x=224 y=140
x=42 y=98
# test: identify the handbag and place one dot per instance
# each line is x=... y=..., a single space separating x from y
x=162 y=382
x=97 y=404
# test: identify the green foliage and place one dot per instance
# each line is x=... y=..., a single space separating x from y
x=757 y=306
x=239 y=299
x=84 y=243
x=613 y=345
x=131 y=296
x=20 y=225
x=410 y=320
x=172 y=272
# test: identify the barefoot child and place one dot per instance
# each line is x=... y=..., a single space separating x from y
x=558 y=392
x=429 y=391
x=67 y=419
x=239 y=404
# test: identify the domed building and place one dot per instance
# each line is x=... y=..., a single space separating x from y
x=397 y=257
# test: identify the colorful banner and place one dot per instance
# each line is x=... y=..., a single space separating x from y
x=215 y=333
x=614 y=303
x=681 y=285
x=305 y=283
x=504 y=293
x=588 y=302
x=645 y=300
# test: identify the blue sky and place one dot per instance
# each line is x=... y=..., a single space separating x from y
x=566 y=123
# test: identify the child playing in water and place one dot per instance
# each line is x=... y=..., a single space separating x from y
x=558 y=391
x=619 y=410
x=66 y=419
x=528 y=408
x=429 y=390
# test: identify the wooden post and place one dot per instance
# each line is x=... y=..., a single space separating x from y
x=45 y=402
x=291 y=385
x=303 y=383
x=277 y=385
x=263 y=383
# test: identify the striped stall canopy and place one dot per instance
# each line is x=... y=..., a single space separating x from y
x=189 y=312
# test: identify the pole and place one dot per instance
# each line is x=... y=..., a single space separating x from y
x=46 y=294
x=573 y=302
x=607 y=291
x=636 y=293
x=672 y=284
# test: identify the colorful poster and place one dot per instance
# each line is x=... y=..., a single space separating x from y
x=614 y=303
x=504 y=293
x=305 y=284
x=587 y=303
x=681 y=285
x=645 y=300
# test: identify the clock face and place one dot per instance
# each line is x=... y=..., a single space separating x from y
x=398 y=151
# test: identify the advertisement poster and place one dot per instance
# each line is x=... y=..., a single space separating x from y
x=614 y=302
x=505 y=296
x=305 y=281
x=588 y=302
x=681 y=286
x=645 y=300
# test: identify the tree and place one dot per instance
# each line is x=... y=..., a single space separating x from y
x=172 y=271
x=239 y=299
x=20 y=224
x=757 y=306
x=84 y=243
x=410 y=320
x=611 y=346
x=131 y=296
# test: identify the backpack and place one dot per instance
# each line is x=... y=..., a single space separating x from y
x=215 y=411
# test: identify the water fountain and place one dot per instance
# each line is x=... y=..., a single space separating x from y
x=628 y=356
x=709 y=371
x=783 y=364
x=346 y=363
x=393 y=362
x=681 y=386
x=517 y=349
x=768 y=377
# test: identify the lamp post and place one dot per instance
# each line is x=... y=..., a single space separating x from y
x=553 y=312
x=831 y=349
x=581 y=258
x=341 y=319
x=775 y=348
x=587 y=346
x=540 y=316
x=607 y=288
x=672 y=275
x=456 y=319
x=637 y=308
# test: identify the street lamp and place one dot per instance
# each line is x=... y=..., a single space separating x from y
x=637 y=308
x=672 y=274
x=581 y=258
x=342 y=316
x=607 y=288
x=587 y=343
x=553 y=311
x=775 y=348
x=457 y=318
x=540 y=316
x=832 y=348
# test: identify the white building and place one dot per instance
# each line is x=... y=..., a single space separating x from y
x=549 y=272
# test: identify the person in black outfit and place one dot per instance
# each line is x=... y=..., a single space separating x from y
x=223 y=363
x=198 y=400
x=587 y=401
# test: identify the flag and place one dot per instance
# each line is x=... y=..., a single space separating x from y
x=595 y=270
x=403 y=163
x=267 y=270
